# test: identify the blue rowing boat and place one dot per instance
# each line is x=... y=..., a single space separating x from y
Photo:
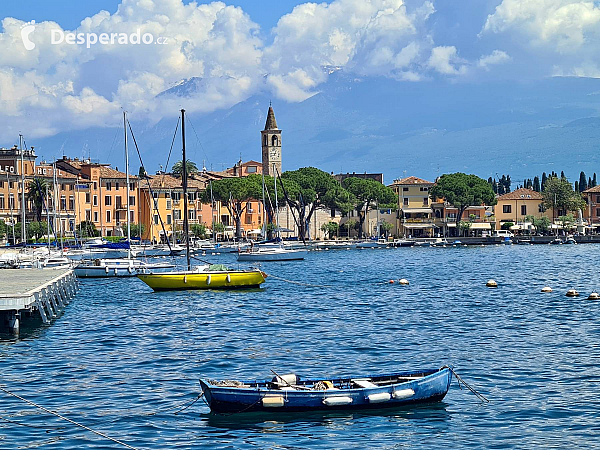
x=290 y=393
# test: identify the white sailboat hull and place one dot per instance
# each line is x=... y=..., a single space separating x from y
x=278 y=254
x=117 y=268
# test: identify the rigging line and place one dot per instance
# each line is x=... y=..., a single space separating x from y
x=67 y=419
x=299 y=283
x=172 y=142
x=150 y=188
x=112 y=146
x=198 y=139
x=277 y=174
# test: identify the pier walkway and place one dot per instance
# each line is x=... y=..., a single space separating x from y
x=26 y=292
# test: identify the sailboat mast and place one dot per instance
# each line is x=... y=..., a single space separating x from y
x=276 y=205
x=47 y=221
x=23 y=227
x=185 y=199
x=12 y=217
x=127 y=190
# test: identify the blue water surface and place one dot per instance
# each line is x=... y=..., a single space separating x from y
x=123 y=359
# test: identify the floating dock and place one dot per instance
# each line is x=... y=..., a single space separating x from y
x=29 y=292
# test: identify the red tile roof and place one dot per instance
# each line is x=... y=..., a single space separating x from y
x=522 y=194
x=412 y=180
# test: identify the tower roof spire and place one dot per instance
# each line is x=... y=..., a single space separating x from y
x=271 y=123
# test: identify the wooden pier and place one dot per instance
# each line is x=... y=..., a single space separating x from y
x=29 y=292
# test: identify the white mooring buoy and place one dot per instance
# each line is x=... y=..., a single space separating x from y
x=491 y=284
x=572 y=293
x=594 y=296
x=403 y=282
x=546 y=289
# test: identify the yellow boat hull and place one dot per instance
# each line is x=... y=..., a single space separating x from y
x=164 y=281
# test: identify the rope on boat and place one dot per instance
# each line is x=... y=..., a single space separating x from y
x=299 y=283
x=459 y=380
x=67 y=419
x=201 y=394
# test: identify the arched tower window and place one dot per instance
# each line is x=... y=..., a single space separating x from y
x=274 y=141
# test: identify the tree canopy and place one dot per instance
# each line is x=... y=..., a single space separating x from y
x=37 y=190
x=462 y=190
x=177 y=168
x=313 y=189
x=558 y=193
x=369 y=193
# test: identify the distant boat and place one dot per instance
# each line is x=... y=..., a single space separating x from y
x=556 y=241
x=289 y=393
x=373 y=243
x=157 y=250
x=272 y=254
x=121 y=267
x=570 y=240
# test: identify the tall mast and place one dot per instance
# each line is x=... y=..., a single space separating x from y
x=127 y=190
x=276 y=207
x=47 y=220
x=185 y=199
x=23 y=227
x=212 y=212
x=10 y=205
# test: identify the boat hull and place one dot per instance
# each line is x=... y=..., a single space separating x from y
x=203 y=280
x=272 y=255
x=430 y=388
x=117 y=269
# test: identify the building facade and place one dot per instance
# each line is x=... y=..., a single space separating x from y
x=271 y=146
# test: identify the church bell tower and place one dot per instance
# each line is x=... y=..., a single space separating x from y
x=271 y=146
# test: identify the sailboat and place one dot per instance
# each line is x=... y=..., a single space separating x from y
x=129 y=267
x=208 y=276
x=268 y=253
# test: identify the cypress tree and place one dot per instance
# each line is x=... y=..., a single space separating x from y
x=593 y=181
x=507 y=183
x=577 y=186
x=589 y=181
x=582 y=182
x=544 y=178
x=536 y=184
x=562 y=174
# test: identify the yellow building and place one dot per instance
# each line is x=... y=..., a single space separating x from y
x=415 y=215
x=516 y=205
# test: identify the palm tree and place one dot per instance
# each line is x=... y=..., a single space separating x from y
x=190 y=166
x=36 y=194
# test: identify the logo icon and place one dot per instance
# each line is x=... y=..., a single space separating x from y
x=26 y=30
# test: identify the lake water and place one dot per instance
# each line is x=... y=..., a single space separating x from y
x=122 y=359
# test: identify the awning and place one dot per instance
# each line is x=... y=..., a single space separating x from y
x=417 y=210
x=481 y=226
x=419 y=225
x=255 y=232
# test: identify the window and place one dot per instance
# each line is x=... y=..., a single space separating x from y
x=426 y=200
x=118 y=202
x=404 y=189
x=96 y=201
x=405 y=201
x=597 y=212
x=169 y=206
x=88 y=215
x=251 y=169
x=192 y=214
x=506 y=209
x=167 y=195
x=108 y=186
x=523 y=210
x=177 y=214
x=597 y=198
x=541 y=208
x=424 y=189
x=117 y=186
x=132 y=200
x=168 y=219
x=191 y=196
x=274 y=141
x=96 y=216
x=131 y=218
x=155 y=219
x=1 y=184
x=63 y=202
x=176 y=196
x=95 y=186
x=107 y=200
x=248 y=219
x=108 y=216
x=71 y=203
x=1 y=201
x=11 y=185
x=11 y=201
x=132 y=186
x=155 y=194
x=87 y=197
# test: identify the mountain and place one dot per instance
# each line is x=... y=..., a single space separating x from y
x=382 y=125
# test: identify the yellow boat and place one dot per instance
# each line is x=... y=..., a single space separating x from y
x=204 y=277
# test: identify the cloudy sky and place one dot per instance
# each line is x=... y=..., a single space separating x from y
x=280 y=47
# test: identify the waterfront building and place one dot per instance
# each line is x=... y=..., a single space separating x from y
x=516 y=205
x=415 y=215
x=592 y=211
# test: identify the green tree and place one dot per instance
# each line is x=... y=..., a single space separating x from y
x=36 y=229
x=137 y=230
x=566 y=221
x=177 y=168
x=369 y=193
x=559 y=194
x=88 y=229
x=235 y=193
x=536 y=184
x=541 y=224
x=331 y=228
x=583 y=185
x=507 y=225
x=350 y=224
x=386 y=227
x=37 y=190
x=462 y=190
x=3 y=229
x=199 y=230
x=312 y=189
x=464 y=226
x=544 y=179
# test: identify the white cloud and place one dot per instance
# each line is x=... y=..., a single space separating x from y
x=496 y=57
x=446 y=61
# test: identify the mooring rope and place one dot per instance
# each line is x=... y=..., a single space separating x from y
x=459 y=380
x=67 y=419
x=299 y=283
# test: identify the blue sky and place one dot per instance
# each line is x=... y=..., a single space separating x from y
x=280 y=48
